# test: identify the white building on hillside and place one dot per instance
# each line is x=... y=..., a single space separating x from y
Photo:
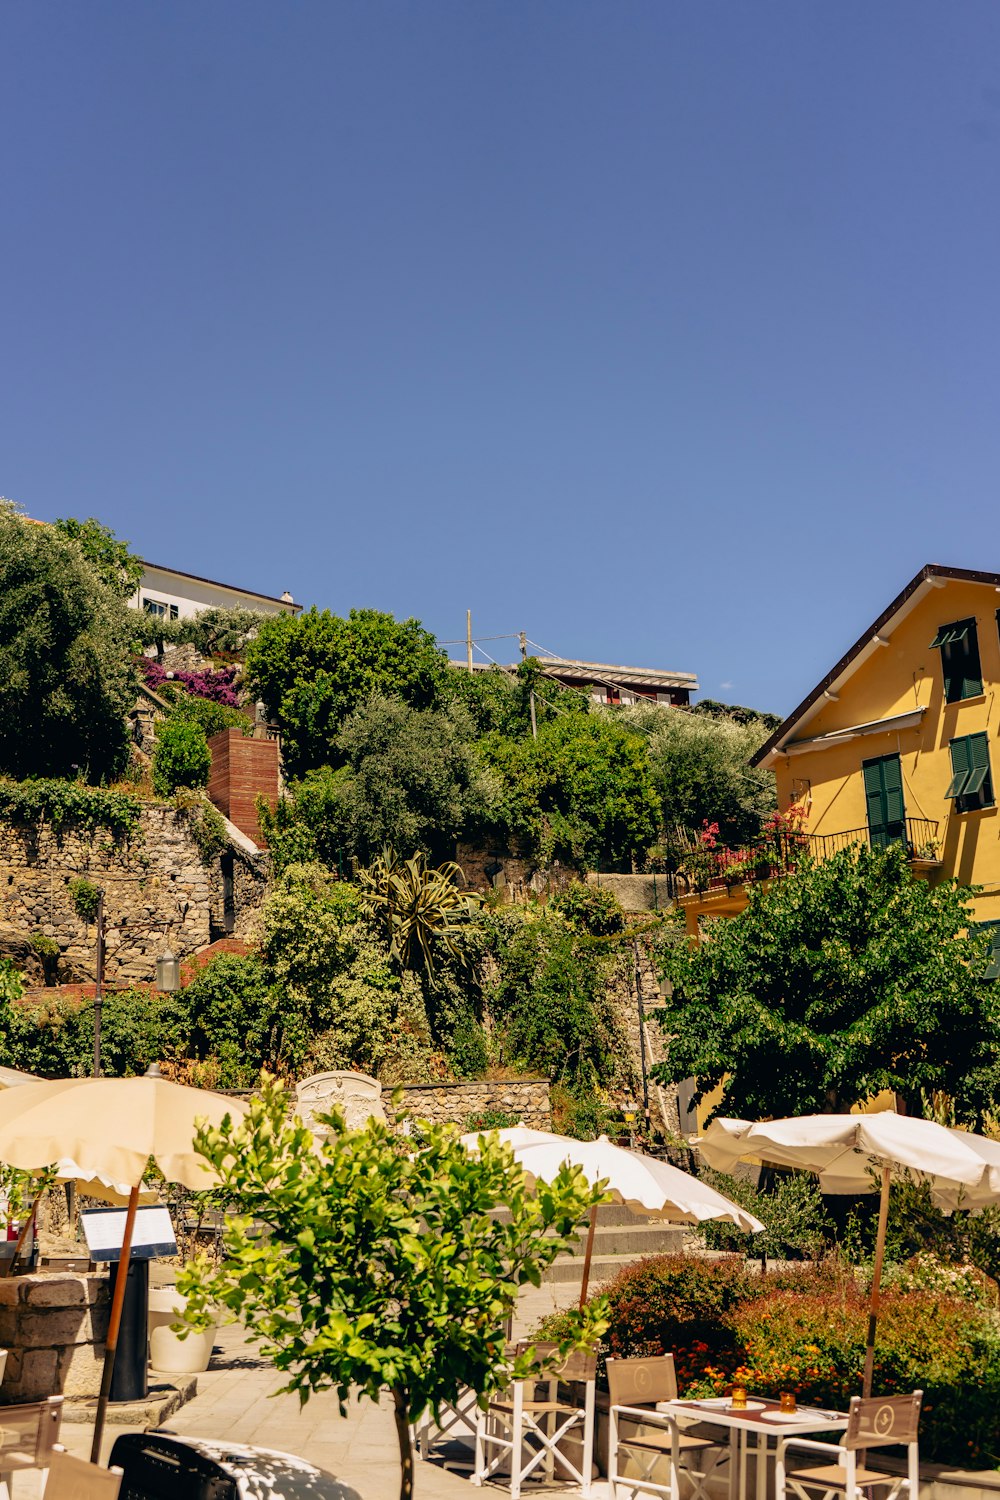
x=177 y=596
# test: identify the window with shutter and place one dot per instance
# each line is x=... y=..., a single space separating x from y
x=971 y=785
x=993 y=928
x=959 y=647
x=884 y=799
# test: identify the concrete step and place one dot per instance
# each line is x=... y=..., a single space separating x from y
x=602 y=1268
x=635 y=1239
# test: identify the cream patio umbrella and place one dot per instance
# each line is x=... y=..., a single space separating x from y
x=110 y=1127
x=961 y=1169
x=642 y=1183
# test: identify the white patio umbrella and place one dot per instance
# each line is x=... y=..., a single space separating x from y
x=110 y=1127
x=962 y=1169
x=642 y=1183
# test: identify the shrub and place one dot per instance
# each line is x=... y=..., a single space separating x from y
x=796 y=1222
x=233 y=1017
x=213 y=717
x=490 y=1119
x=46 y=950
x=590 y=908
x=86 y=898
x=69 y=804
x=181 y=757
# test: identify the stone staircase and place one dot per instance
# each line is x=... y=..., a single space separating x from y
x=620 y=1238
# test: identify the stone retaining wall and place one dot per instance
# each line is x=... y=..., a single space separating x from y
x=527 y=1099
x=54 y=1328
x=158 y=893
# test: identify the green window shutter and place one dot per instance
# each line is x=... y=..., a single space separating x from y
x=961 y=766
x=979 y=759
x=993 y=972
x=892 y=777
x=873 y=795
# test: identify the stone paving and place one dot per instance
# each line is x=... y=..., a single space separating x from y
x=235 y=1401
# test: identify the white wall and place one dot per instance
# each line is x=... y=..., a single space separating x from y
x=191 y=595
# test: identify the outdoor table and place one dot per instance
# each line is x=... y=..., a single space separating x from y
x=754 y=1425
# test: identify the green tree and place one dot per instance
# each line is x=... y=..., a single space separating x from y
x=181 y=757
x=312 y=670
x=377 y=1261
x=66 y=675
x=836 y=982
x=548 y=999
x=700 y=767
x=118 y=569
x=582 y=792
x=409 y=777
x=231 y=1013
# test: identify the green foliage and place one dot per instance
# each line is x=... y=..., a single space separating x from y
x=181 y=757
x=11 y=986
x=499 y=702
x=581 y=1110
x=839 y=981
x=468 y=1053
x=46 y=950
x=408 y=777
x=312 y=670
x=700 y=768
x=66 y=674
x=204 y=823
x=230 y=1014
x=795 y=1219
x=152 y=630
x=118 y=569
x=381 y=1264
x=710 y=708
x=420 y=909
x=215 y=630
x=55 y=1037
x=69 y=804
x=547 y=998
x=212 y=717
x=590 y=908
x=582 y=792
x=489 y=1119
x=916 y=1226
x=86 y=897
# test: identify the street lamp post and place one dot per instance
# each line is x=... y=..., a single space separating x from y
x=99 y=985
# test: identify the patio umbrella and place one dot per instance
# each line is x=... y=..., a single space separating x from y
x=110 y=1127
x=91 y=1185
x=962 y=1170
x=642 y=1183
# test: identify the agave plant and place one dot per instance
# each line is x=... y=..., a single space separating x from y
x=420 y=907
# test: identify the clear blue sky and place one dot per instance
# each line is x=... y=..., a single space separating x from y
x=666 y=331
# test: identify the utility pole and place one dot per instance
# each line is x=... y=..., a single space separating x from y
x=468 y=636
x=642 y=1038
x=99 y=985
x=531 y=696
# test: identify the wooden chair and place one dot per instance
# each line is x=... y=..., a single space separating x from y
x=875 y=1422
x=456 y=1423
x=527 y=1432
x=635 y=1386
x=75 y=1479
x=28 y=1435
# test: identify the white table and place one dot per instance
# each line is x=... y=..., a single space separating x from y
x=754 y=1426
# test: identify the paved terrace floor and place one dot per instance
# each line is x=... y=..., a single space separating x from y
x=234 y=1401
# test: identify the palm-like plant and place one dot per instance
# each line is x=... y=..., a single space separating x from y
x=420 y=907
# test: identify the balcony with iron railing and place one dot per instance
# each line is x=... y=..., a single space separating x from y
x=713 y=871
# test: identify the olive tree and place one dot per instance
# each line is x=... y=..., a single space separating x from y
x=374 y=1261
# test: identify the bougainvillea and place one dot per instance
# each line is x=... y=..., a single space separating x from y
x=217 y=685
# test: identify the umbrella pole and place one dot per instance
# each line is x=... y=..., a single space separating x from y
x=588 y=1253
x=883 y=1220
x=114 y=1323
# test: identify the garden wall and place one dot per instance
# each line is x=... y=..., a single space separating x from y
x=158 y=893
x=54 y=1328
x=527 y=1099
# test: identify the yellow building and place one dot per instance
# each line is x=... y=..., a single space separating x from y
x=901 y=741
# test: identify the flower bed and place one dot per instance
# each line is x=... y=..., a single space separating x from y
x=803 y=1330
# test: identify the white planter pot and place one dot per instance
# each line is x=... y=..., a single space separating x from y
x=167 y=1350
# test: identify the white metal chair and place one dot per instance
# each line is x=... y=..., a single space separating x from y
x=457 y=1422
x=875 y=1422
x=28 y=1434
x=635 y=1386
x=75 y=1479
x=524 y=1432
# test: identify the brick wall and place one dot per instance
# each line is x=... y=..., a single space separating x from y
x=242 y=771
